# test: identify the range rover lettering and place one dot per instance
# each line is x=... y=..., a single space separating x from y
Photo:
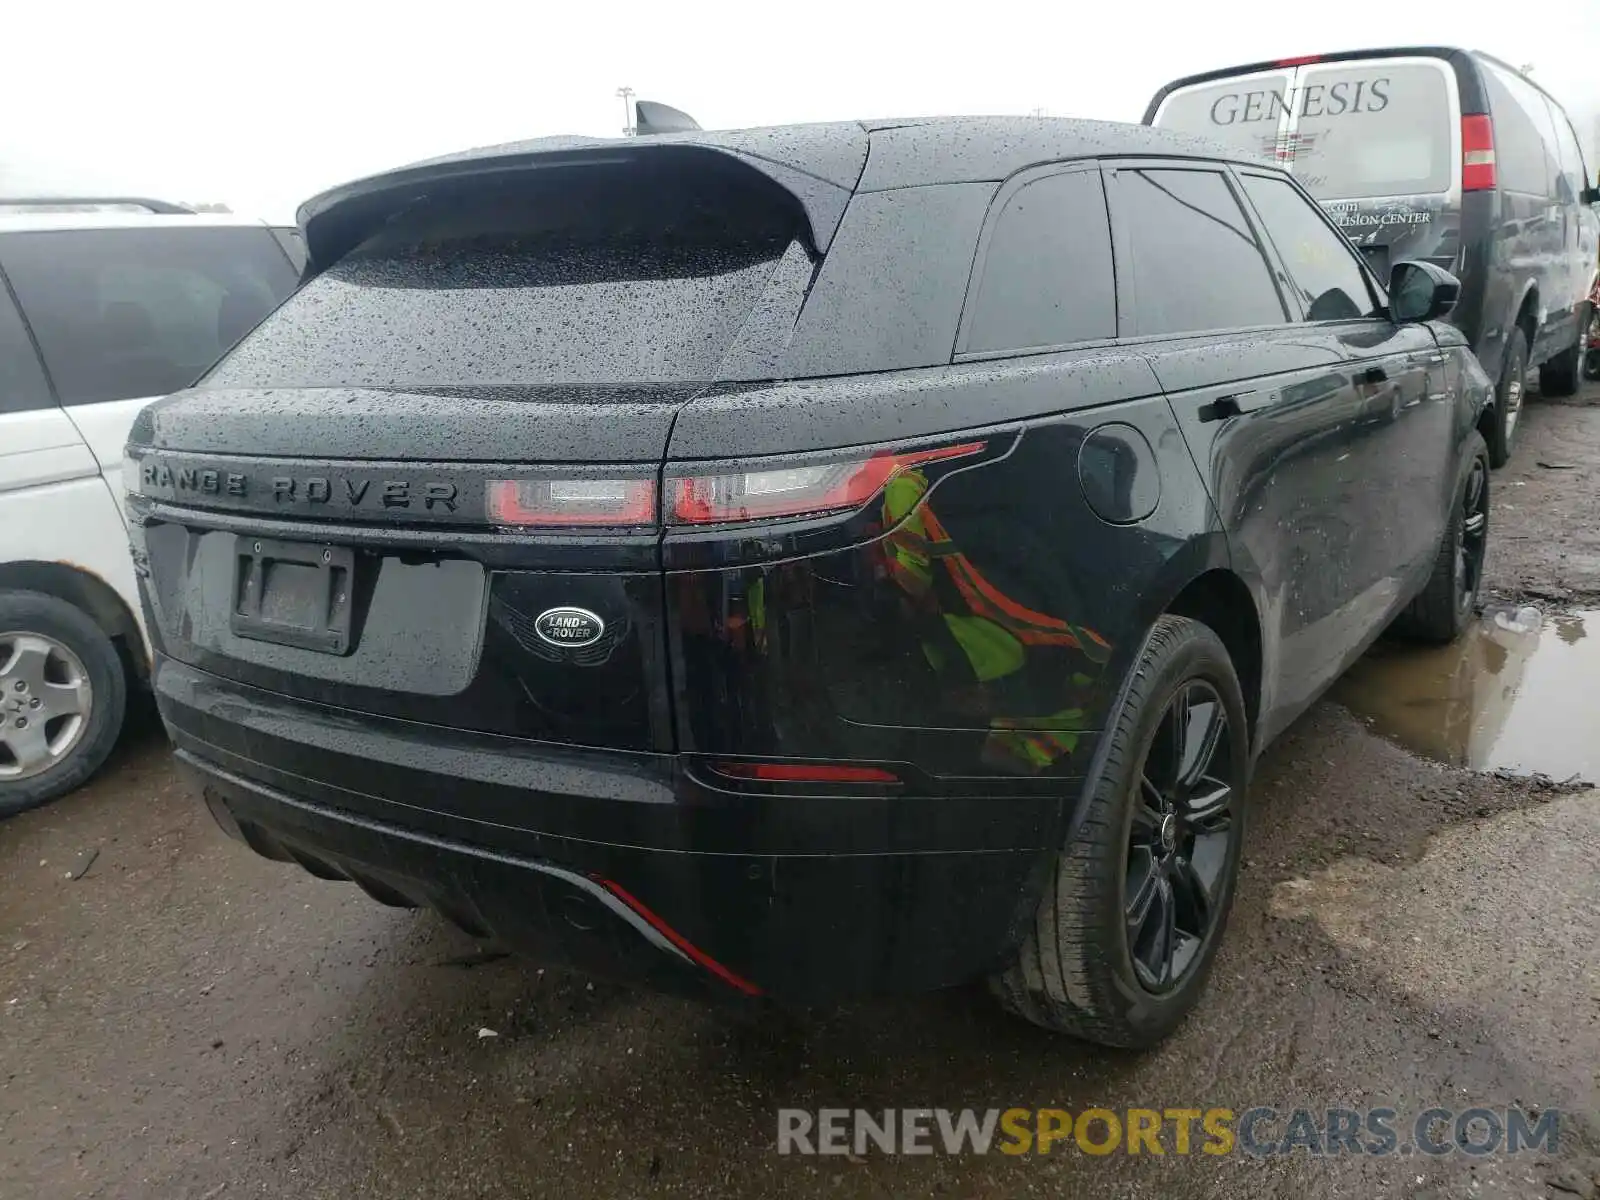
x=871 y=562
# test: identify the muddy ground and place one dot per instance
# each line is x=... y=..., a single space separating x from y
x=1546 y=514
x=185 y=1021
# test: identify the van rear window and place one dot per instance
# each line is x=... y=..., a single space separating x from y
x=1371 y=130
x=1242 y=113
x=1351 y=131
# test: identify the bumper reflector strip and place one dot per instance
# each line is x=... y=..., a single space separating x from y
x=694 y=952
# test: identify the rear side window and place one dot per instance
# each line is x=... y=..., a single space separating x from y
x=889 y=294
x=601 y=276
x=127 y=313
x=293 y=243
x=1573 y=171
x=1373 y=129
x=1047 y=273
x=1523 y=154
x=1195 y=263
x=22 y=382
x=1330 y=283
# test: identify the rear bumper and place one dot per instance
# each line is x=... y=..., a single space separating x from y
x=624 y=864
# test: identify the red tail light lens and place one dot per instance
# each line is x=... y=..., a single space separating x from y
x=804 y=772
x=1477 y=153
x=564 y=502
x=795 y=491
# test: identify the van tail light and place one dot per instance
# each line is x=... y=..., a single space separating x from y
x=1477 y=153
x=566 y=502
x=795 y=491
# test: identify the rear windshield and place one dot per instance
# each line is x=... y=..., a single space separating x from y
x=1376 y=129
x=591 y=278
x=1242 y=112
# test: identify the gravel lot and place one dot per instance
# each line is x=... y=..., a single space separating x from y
x=186 y=1021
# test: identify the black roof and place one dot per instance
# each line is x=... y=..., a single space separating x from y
x=974 y=149
x=821 y=165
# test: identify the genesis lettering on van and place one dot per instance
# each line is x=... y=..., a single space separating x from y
x=1314 y=100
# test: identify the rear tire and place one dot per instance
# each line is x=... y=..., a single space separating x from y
x=53 y=653
x=1090 y=964
x=1443 y=608
x=1509 y=395
x=1563 y=374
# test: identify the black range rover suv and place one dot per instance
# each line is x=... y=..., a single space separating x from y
x=806 y=561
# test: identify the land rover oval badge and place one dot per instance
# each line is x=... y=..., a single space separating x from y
x=571 y=627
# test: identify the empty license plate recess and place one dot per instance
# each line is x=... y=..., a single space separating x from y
x=293 y=593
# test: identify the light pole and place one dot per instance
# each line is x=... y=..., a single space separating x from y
x=626 y=96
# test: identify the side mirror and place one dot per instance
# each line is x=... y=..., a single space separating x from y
x=1589 y=195
x=1420 y=291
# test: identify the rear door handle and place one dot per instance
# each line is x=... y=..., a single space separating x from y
x=1234 y=405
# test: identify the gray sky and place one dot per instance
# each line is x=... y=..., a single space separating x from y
x=260 y=106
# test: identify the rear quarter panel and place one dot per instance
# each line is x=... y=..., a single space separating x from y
x=1000 y=607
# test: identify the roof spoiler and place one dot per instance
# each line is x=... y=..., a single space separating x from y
x=337 y=221
x=80 y=203
x=651 y=117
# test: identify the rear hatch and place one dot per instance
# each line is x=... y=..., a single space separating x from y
x=1376 y=139
x=426 y=487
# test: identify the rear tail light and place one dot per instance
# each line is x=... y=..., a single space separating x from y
x=795 y=491
x=1477 y=153
x=560 y=502
x=788 y=772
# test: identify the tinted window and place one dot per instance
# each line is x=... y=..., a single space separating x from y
x=593 y=279
x=889 y=294
x=1523 y=156
x=1047 y=275
x=1242 y=113
x=294 y=245
x=1573 y=170
x=1196 y=265
x=22 y=382
x=1377 y=129
x=123 y=313
x=1324 y=272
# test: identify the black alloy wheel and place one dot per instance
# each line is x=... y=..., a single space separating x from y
x=1472 y=534
x=1179 y=838
x=1130 y=920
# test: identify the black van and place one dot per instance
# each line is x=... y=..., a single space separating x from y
x=1449 y=156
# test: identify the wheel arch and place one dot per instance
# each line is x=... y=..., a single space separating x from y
x=88 y=592
x=1200 y=583
x=1526 y=313
x=1222 y=602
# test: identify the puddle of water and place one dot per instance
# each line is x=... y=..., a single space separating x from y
x=1515 y=692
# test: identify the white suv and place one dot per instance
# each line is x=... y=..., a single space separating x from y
x=102 y=309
